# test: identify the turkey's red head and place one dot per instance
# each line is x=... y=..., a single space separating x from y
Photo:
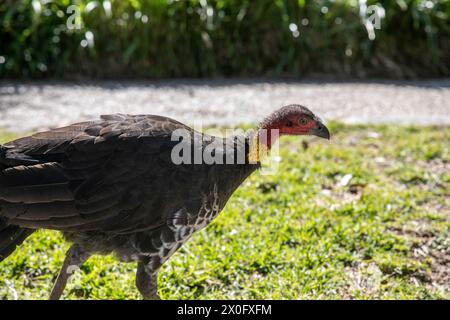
x=289 y=120
x=295 y=120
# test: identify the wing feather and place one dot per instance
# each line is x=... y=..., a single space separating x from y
x=94 y=175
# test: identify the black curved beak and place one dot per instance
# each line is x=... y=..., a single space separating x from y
x=320 y=131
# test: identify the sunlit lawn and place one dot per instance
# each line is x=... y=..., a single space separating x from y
x=363 y=216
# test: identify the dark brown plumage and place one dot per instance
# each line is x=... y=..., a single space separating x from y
x=111 y=186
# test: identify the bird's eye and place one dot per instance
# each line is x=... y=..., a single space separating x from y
x=303 y=121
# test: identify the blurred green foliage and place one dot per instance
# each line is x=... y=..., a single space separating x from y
x=192 y=38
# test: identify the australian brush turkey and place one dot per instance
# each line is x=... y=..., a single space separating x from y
x=111 y=186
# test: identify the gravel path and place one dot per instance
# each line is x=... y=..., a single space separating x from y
x=40 y=105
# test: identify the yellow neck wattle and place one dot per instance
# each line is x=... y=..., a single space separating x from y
x=258 y=151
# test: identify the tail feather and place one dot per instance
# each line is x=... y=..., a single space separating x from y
x=10 y=238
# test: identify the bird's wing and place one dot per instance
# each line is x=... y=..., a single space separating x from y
x=90 y=176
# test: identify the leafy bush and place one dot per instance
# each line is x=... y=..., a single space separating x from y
x=190 y=38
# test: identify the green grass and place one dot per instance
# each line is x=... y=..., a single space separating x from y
x=297 y=234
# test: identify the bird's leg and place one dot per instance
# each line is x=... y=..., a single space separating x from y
x=147 y=281
x=75 y=257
